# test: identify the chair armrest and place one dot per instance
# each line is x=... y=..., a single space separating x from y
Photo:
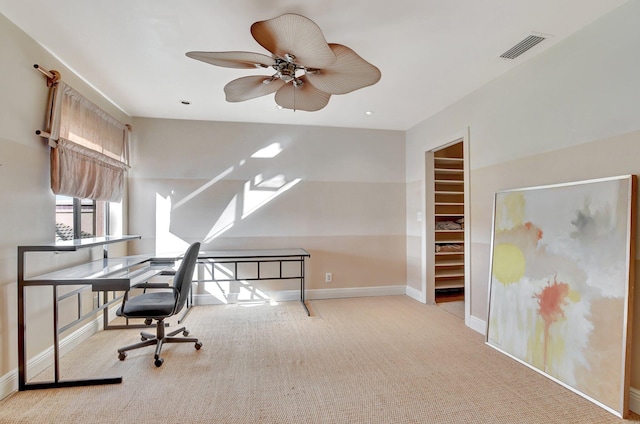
x=148 y=285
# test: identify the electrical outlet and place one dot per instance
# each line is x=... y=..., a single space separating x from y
x=328 y=277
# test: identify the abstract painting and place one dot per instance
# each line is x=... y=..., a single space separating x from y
x=562 y=284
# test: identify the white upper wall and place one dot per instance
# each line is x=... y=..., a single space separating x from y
x=351 y=181
x=165 y=148
x=583 y=89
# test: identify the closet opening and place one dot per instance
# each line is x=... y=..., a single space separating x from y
x=446 y=223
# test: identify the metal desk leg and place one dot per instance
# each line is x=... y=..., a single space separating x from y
x=302 y=287
x=22 y=360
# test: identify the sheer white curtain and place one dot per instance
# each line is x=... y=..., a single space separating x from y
x=89 y=153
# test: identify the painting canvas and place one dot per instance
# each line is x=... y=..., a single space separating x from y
x=562 y=284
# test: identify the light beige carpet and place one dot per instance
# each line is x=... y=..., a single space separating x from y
x=456 y=307
x=361 y=360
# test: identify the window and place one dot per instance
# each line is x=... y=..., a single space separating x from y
x=89 y=158
x=81 y=218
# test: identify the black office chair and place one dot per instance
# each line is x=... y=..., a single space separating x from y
x=158 y=305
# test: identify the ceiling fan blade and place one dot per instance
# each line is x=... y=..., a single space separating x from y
x=294 y=35
x=234 y=59
x=246 y=88
x=349 y=73
x=306 y=97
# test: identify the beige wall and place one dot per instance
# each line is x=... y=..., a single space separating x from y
x=568 y=114
x=27 y=205
x=345 y=203
x=576 y=163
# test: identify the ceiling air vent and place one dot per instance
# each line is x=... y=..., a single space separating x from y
x=521 y=47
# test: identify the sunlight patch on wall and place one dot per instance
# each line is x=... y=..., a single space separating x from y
x=248 y=293
x=225 y=222
x=204 y=187
x=258 y=192
x=166 y=242
x=240 y=292
x=219 y=290
x=268 y=152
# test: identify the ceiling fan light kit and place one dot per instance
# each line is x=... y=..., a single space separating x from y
x=308 y=70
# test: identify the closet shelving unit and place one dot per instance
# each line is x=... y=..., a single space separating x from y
x=448 y=169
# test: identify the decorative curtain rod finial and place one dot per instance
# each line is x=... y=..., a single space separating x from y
x=53 y=76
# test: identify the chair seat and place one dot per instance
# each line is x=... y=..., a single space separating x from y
x=156 y=304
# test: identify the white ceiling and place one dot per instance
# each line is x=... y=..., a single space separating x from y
x=430 y=52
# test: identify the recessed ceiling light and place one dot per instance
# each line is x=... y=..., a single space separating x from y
x=369 y=113
x=185 y=102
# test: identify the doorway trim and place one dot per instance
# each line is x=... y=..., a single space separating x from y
x=428 y=224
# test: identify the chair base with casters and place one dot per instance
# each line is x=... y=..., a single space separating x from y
x=160 y=305
x=159 y=339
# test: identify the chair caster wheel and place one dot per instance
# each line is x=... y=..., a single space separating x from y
x=143 y=338
x=147 y=321
x=122 y=355
x=158 y=362
x=198 y=345
x=185 y=333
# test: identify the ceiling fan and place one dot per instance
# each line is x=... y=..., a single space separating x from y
x=308 y=69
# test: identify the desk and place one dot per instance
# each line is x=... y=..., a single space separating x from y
x=259 y=257
x=119 y=274
x=107 y=274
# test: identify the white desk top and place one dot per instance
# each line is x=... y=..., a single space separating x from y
x=95 y=269
x=104 y=274
x=75 y=244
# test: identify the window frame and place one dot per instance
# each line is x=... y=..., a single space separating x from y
x=79 y=207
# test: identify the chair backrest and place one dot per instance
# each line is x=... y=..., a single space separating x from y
x=184 y=275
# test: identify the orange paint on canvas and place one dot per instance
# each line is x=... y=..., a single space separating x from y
x=529 y=226
x=551 y=301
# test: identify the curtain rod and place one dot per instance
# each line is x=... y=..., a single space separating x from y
x=52 y=76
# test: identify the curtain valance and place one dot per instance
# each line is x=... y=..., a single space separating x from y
x=89 y=148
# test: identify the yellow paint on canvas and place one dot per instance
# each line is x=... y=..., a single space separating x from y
x=508 y=263
x=535 y=346
x=510 y=213
x=556 y=351
x=574 y=296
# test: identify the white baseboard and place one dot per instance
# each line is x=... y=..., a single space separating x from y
x=478 y=325
x=415 y=294
x=8 y=383
x=634 y=400
x=355 y=292
x=314 y=294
